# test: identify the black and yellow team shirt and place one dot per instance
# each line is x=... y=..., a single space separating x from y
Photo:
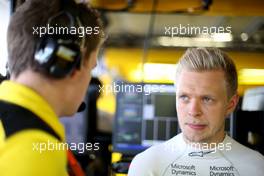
x=31 y=152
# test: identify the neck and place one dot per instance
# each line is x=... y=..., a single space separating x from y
x=50 y=90
x=212 y=141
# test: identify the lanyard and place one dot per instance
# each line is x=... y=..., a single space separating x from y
x=73 y=165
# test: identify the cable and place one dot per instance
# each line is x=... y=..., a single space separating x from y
x=146 y=44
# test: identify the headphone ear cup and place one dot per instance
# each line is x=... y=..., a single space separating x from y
x=67 y=59
x=57 y=59
x=45 y=52
x=59 y=55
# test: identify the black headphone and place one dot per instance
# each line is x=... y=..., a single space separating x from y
x=58 y=55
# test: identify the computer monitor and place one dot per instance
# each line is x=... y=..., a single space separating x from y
x=145 y=115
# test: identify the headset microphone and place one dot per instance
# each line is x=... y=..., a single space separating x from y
x=82 y=107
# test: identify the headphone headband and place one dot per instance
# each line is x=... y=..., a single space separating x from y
x=58 y=55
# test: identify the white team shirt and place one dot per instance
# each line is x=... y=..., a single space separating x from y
x=175 y=158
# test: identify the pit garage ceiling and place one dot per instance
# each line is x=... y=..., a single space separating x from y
x=247 y=33
x=128 y=22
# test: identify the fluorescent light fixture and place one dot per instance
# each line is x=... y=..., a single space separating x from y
x=155 y=72
x=251 y=76
x=222 y=37
x=165 y=73
x=200 y=41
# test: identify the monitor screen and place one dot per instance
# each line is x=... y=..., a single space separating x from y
x=144 y=116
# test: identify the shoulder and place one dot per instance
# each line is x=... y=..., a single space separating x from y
x=161 y=149
x=32 y=152
x=240 y=153
x=152 y=159
x=238 y=148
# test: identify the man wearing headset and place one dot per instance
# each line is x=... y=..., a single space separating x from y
x=206 y=93
x=49 y=78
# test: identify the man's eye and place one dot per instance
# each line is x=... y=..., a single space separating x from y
x=184 y=98
x=207 y=99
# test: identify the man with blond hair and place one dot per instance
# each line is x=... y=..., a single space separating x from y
x=206 y=93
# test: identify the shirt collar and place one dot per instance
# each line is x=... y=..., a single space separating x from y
x=26 y=97
x=211 y=150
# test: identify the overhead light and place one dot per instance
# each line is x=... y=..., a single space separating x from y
x=155 y=72
x=244 y=36
x=200 y=41
x=251 y=76
x=164 y=73
x=222 y=37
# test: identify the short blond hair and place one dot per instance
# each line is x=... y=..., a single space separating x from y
x=207 y=59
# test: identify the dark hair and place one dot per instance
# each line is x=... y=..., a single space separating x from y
x=36 y=13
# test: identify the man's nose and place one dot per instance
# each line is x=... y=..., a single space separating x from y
x=194 y=109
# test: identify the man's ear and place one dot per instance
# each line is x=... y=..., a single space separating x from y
x=232 y=103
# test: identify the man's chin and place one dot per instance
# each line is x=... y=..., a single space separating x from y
x=195 y=138
x=70 y=112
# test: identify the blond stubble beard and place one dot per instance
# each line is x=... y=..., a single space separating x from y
x=205 y=138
